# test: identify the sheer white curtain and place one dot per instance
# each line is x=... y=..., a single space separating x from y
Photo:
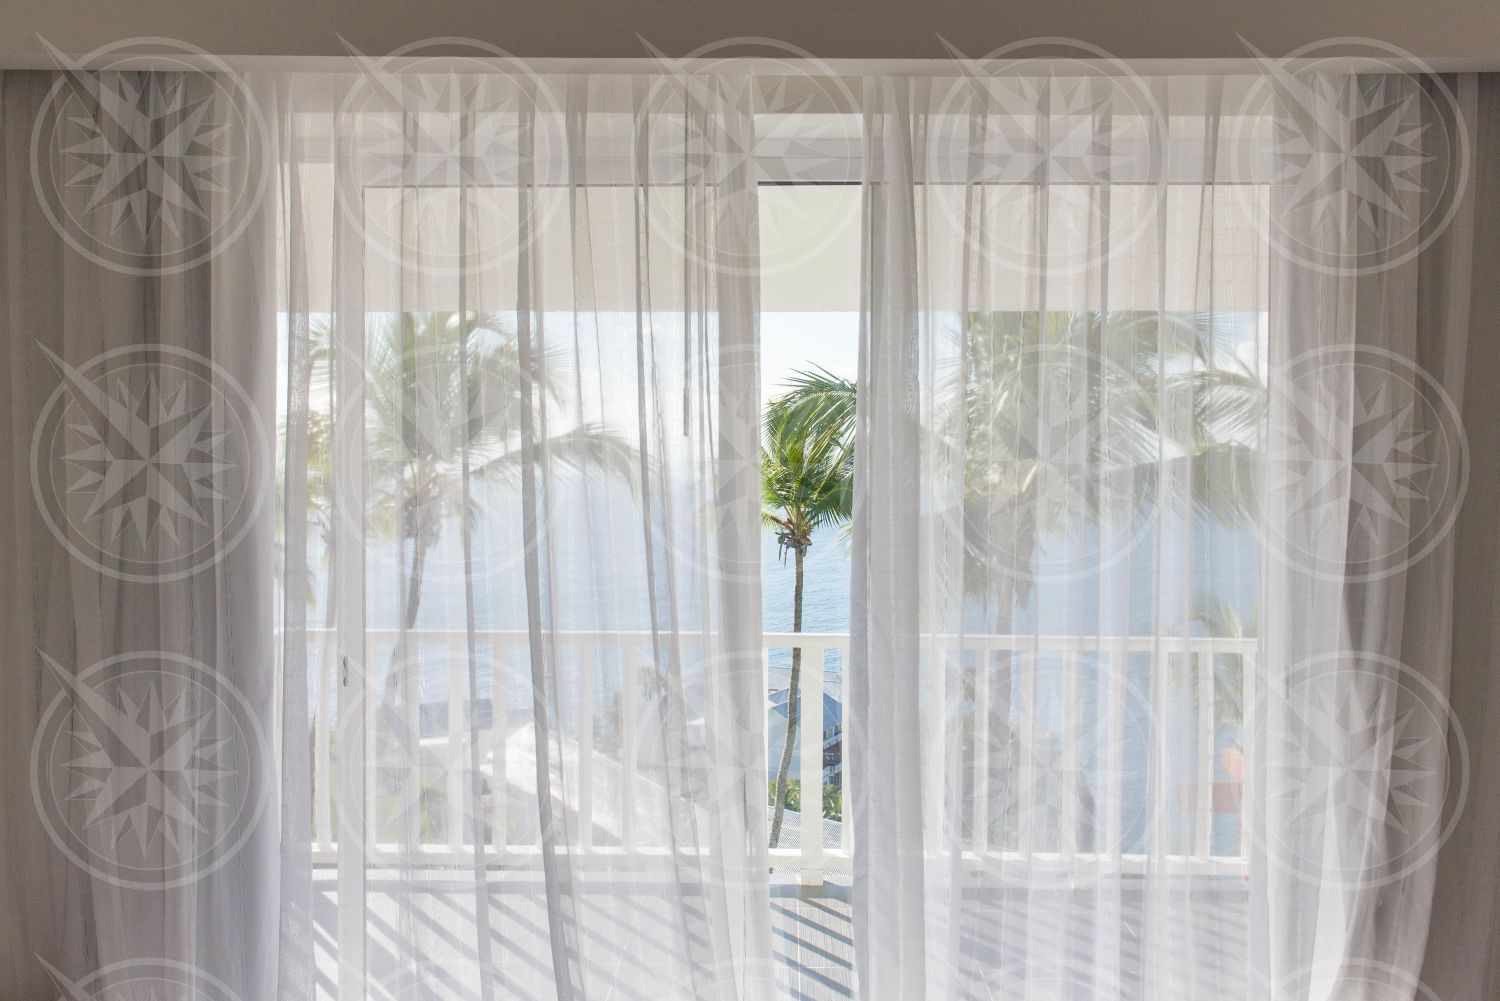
x=521 y=485
x=1158 y=452
x=382 y=550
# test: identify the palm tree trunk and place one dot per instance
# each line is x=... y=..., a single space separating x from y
x=793 y=698
x=414 y=584
x=411 y=725
x=413 y=603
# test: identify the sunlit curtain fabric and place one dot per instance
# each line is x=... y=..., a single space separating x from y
x=381 y=547
x=521 y=580
x=1158 y=454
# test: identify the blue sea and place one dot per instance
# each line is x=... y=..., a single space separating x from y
x=593 y=593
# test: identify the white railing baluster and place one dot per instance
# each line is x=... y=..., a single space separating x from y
x=810 y=723
x=846 y=817
x=629 y=753
x=1071 y=732
x=1248 y=723
x=997 y=657
x=456 y=753
x=409 y=824
x=1026 y=759
x=1203 y=820
x=500 y=668
x=323 y=741
x=1112 y=757
x=980 y=801
x=370 y=724
x=771 y=752
x=586 y=746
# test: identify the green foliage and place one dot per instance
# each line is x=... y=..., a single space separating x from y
x=807 y=460
x=807 y=482
x=443 y=402
x=833 y=798
x=1155 y=396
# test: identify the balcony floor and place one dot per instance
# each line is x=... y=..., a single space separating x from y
x=429 y=930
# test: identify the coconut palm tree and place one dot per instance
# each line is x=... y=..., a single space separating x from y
x=1191 y=370
x=1153 y=397
x=1179 y=396
x=440 y=388
x=807 y=483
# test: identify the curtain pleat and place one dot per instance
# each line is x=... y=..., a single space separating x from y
x=1159 y=446
x=553 y=498
x=140 y=357
x=384 y=534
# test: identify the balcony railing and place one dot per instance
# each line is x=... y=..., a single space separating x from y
x=600 y=732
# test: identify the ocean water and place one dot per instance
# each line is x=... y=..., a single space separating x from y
x=1212 y=567
x=597 y=558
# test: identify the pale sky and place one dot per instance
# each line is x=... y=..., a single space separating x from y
x=793 y=341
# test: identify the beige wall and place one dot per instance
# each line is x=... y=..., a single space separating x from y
x=1467 y=29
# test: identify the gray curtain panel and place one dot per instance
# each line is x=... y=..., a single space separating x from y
x=1463 y=945
x=139 y=356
